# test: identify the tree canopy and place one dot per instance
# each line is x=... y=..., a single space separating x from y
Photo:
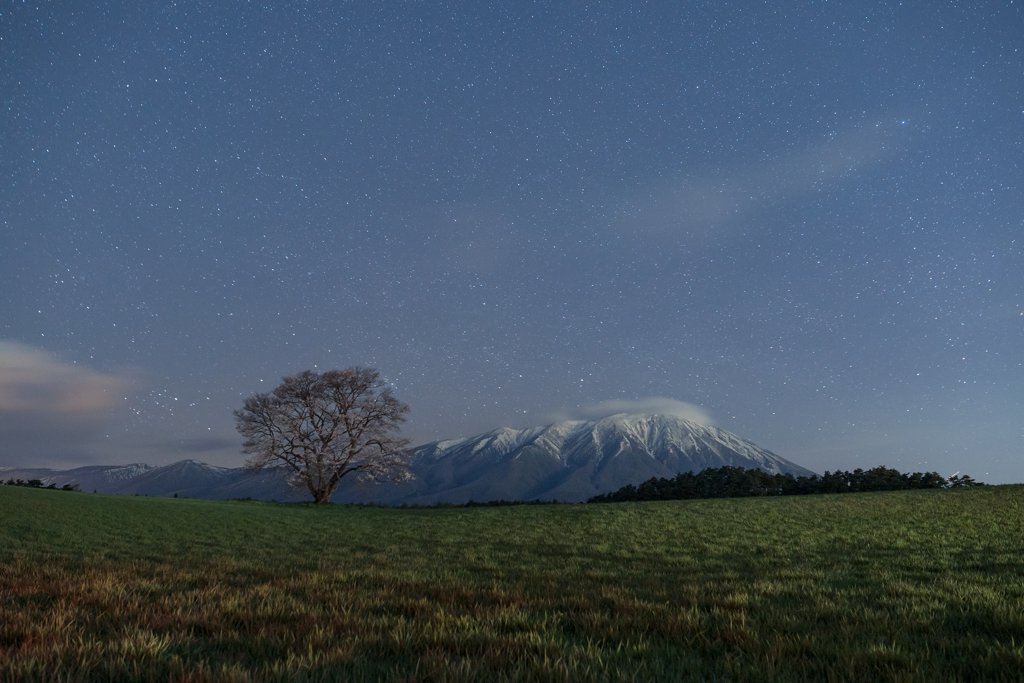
x=322 y=427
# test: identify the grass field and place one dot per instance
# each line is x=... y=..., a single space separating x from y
x=907 y=586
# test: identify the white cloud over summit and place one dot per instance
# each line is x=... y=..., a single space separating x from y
x=652 y=405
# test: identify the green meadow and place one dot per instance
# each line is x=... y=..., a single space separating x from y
x=902 y=586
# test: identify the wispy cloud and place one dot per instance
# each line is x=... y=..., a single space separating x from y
x=727 y=200
x=652 y=405
x=51 y=412
x=34 y=381
x=210 y=443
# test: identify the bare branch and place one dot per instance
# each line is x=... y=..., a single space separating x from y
x=322 y=427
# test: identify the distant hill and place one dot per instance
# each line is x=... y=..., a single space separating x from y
x=568 y=461
x=186 y=478
x=101 y=478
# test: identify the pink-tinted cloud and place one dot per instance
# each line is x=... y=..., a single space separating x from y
x=36 y=382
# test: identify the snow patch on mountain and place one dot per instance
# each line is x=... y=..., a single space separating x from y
x=125 y=472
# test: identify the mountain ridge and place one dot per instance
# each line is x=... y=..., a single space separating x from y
x=568 y=461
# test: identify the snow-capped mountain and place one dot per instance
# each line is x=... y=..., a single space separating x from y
x=573 y=460
x=102 y=478
x=126 y=472
x=567 y=461
x=186 y=477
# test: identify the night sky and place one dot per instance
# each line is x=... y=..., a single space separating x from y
x=802 y=221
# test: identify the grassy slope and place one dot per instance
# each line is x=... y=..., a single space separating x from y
x=915 y=586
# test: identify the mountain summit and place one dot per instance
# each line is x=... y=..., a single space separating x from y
x=573 y=460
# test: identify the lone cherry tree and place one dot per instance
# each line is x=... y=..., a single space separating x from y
x=322 y=427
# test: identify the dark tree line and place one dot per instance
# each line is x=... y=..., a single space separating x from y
x=737 y=482
x=38 y=484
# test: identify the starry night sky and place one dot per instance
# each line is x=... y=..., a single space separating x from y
x=804 y=220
